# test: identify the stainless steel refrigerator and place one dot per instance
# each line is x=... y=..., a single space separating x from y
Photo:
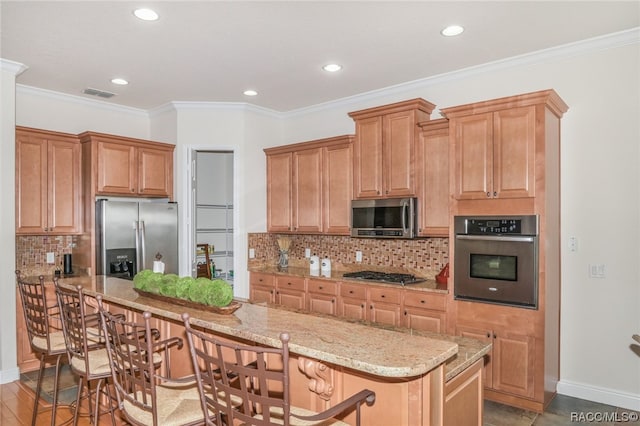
x=130 y=235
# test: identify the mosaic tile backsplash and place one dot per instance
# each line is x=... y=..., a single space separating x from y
x=423 y=257
x=31 y=253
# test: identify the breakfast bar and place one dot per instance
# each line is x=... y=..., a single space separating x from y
x=419 y=378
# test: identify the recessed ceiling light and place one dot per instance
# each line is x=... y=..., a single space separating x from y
x=250 y=92
x=146 y=14
x=332 y=67
x=452 y=30
x=120 y=81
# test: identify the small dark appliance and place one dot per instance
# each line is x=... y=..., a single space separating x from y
x=67 y=264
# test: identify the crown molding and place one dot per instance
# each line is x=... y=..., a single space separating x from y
x=16 y=68
x=64 y=97
x=178 y=106
x=608 y=41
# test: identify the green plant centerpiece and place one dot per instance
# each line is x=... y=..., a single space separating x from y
x=218 y=292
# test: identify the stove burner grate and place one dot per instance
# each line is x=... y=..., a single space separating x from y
x=395 y=278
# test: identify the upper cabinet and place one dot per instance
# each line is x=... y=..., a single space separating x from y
x=385 y=147
x=48 y=167
x=496 y=144
x=433 y=178
x=126 y=166
x=307 y=189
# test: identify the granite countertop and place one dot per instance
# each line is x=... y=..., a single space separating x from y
x=381 y=351
x=336 y=275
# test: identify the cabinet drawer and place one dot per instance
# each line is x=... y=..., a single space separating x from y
x=322 y=287
x=293 y=283
x=420 y=299
x=261 y=279
x=354 y=291
x=386 y=295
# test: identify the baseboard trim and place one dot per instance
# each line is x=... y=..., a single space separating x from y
x=616 y=398
x=10 y=375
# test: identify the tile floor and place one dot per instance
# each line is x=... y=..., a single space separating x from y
x=563 y=410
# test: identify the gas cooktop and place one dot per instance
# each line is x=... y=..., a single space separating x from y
x=393 y=278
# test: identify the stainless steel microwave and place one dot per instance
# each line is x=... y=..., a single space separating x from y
x=384 y=218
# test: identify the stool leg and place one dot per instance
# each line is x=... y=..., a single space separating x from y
x=55 y=391
x=78 y=396
x=38 y=388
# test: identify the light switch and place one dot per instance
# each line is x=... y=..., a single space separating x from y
x=307 y=253
x=252 y=253
x=358 y=256
x=51 y=257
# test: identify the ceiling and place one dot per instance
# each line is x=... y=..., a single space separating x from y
x=214 y=50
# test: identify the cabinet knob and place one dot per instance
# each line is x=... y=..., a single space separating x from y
x=489 y=335
x=320 y=287
x=495 y=194
x=350 y=291
x=362 y=306
x=423 y=301
x=405 y=313
x=333 y=300
x=133 y=190
x=370 y=306
x=383 y=296
x=488 y=195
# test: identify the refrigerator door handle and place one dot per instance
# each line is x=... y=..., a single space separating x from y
x=136 y=226
x=143 y=245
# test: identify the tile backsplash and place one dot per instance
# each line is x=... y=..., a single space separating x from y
x=31 y=253
x=424 y=256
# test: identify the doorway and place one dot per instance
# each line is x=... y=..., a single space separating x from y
x=213 y=214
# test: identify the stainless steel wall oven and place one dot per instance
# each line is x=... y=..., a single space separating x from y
x=496 y=260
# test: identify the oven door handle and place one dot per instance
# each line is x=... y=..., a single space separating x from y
x=516 y=239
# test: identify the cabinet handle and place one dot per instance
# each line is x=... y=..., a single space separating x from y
x=370 y=306
x=495 y=335
x=288 y=283
x=489 y=335
x=333 y=300
x=270 y=291
x=488 y=195
x=405 y=313
x=133 y=190
x=362 y=306
x=320 y=287
x=423 y=301
x=350 y=291
x=382 y=296
x=495 y=194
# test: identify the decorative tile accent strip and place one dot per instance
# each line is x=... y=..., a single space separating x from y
x=423 y=257
x=31 y=253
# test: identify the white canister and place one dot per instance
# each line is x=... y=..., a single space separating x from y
x=314 y=263
x=326 y=267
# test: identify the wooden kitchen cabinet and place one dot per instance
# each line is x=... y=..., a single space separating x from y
x=385 y=149
x=384 y=305
x=510 y=366
x=291 y=292
x=307 y=187
x=424 y=311
x=48 y=183
x=129 y=167
x=262 y=287
x=353 y=301
x=498 y=145
x=433 y=178
x=323 y=296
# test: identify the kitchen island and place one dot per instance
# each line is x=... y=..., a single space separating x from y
x=419 y=379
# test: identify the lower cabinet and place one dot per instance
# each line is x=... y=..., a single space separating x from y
x=395 y=306
x=290 y=292
x=323 y=296
x=463 y=397
x=509 y=367
x=262 y=287
x=424 y=311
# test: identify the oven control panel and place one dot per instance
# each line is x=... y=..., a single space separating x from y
x=496 y=225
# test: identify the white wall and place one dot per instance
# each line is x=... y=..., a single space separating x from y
x=600 y=195
x=600 y=184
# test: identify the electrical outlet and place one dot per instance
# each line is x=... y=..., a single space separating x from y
x=573 y=244
x=358 y=256
x=51 y=257
x=252 y=253
x=307 y=253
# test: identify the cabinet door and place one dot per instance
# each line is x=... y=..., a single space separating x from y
x=262 y=287
x=514 y=135
x=290 y=292
x=513 y=363
x=484 y=336
x=367 y=158
x=338 y=191
x=31 y=184
x=322 y=296
x=279 y=192
x=424 y=319
x=307 y=191
x=352 y=308
x=116 y=168
x=384 y=305
x=399 y=154
x=63 y=176
x=155 y=172
x=473 y=156
x=433 y=183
